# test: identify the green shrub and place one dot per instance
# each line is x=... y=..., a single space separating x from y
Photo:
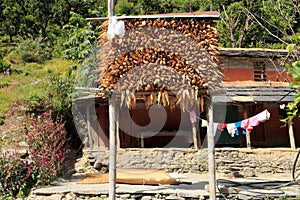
x=4 y=65
x=35 y=50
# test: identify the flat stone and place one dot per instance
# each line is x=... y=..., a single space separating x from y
x=188 y=195
x=124 y=196
x=173 y=197
x=146 y=198
x=71 y=196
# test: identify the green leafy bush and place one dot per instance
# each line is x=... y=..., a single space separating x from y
x=35 y=50
x=4 y=65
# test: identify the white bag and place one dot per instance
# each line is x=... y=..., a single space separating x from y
x=115 y=27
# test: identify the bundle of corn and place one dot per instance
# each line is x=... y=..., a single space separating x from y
x=161 y=55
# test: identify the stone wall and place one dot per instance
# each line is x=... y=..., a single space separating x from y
x=238 y=162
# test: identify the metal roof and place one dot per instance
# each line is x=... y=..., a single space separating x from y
x=204 y=15
x=255 y=94
x=253 y=52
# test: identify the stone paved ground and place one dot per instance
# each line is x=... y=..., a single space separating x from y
x=70 y=190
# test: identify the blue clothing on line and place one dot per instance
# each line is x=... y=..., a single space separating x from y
x=238 y=125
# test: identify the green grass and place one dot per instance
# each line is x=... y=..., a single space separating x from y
x=31 y=82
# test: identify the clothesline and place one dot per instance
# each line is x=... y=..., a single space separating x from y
x=233 y=128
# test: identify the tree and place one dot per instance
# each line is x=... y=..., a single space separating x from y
x=261 y=23
x=12 y=15
x=234 y=25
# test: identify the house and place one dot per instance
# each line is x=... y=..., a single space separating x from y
x=255 y=80
x=145 y=69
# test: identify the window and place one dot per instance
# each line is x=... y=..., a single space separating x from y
x=260 y=72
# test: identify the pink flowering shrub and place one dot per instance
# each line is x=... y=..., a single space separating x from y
x=46 y=139
x=14 y=174
x=47 y=149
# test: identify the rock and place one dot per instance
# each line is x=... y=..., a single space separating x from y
x=248 y=172
x=146 y=198
x=265 y=169
x=188 y=195
x=124 y=196
x=98 y=165
x=173 y=197
x=71 y=196
x=237 y=174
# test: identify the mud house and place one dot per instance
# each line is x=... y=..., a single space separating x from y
x=164 y=82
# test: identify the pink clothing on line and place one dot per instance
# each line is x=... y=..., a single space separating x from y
x=248 y=124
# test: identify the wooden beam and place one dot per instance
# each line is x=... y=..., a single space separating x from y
x=291 y=135
x=211 y=155
x=248 y=138
x=112 y=148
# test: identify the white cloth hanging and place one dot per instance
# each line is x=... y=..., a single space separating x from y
x=263 y=116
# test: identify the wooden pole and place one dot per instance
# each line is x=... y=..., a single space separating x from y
x=118 y=125
x=211 y=155
x=248 y=138
x=195 y=139
x=112 y=130
x=112 y=148
x=110 y=8
x=291 y=134
x=88 y=120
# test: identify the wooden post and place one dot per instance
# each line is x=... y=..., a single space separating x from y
x=195 y=138
x=112 y=129
x=112 y=148
x=248 y=138
x=110 y=8
x=118 y=125
x=291 y=134
x=88 y=121
x=211 y=155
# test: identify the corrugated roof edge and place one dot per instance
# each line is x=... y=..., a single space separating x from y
x=253 y=52
x=204 y=15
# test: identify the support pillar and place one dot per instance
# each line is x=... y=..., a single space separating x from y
x=248 y=138
x=88 y=121
x=211 y=155
x=291 y=135
x=112 y=148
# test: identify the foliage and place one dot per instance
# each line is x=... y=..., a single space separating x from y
x=81 y=38
x=86 y=75
x=34 y=50
x=123 y=7
x=46 y=139
x=60 y=96
x=293 y=107
x=3 y=64
x=257 y=23
x=14 y=175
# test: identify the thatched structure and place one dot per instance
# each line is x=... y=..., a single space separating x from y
x=165 y=59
